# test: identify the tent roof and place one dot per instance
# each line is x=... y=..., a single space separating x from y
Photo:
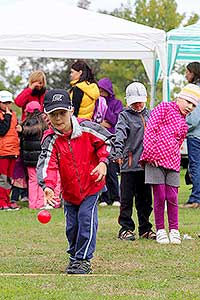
x=187 y=41
x=54 y=29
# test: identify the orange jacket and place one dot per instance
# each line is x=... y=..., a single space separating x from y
x=9 y=143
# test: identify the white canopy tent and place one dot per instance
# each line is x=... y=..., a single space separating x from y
x=54 y=29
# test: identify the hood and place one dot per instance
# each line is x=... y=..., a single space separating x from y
x=106 y=84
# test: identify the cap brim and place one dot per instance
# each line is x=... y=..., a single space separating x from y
x=48 y=111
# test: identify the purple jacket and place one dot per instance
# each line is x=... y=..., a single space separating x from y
x=115 y=106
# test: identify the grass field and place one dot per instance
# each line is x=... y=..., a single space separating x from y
x=33 y=260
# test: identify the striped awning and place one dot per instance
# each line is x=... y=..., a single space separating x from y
x=183 y=44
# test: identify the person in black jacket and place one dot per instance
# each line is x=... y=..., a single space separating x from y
x=32 y=131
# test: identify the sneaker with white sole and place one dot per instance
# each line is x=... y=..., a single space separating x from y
x=174 y=236
x=102 y=204
x=161 y=237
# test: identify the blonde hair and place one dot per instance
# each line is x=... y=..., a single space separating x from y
x=36 y=76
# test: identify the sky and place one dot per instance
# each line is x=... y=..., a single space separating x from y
x=186 y=6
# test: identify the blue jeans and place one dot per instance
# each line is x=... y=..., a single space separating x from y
x=194 y=168
x=81 y=227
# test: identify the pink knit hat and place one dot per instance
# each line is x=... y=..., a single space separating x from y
x=191 y=93
x=31 y=106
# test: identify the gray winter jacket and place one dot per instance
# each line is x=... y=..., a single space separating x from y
x=129 y=138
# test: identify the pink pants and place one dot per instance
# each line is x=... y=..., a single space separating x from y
x=6 y=173
x=36 y=194
x=169 y=193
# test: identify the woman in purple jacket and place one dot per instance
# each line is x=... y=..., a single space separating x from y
x=111 y=196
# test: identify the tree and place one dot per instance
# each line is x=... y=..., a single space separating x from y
x=57 y=70
x=161 y=14
x=9 y=80
x=83 y=4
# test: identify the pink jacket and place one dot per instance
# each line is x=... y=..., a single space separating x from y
x=165 y=132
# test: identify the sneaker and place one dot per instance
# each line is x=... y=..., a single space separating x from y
x=48 y=206
x=116 y=203
x=127 y=235
x=79 y=267
x=5 y=208
x=69 y=266
x=161 y=237
x=103 y=204
x=149 y=235
x=14 y=206
x=174 y=236
x=24 y=199
x=190 y=205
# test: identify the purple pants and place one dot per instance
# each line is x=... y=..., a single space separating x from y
x=169 y=193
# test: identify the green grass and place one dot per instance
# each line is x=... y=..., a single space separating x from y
x=33 y=260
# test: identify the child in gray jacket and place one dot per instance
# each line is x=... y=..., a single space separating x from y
x=128 y=149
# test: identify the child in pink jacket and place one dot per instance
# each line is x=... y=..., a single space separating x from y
x=164 y=135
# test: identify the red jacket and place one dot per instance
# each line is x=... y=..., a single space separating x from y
x=25 y=97
x=75 y=157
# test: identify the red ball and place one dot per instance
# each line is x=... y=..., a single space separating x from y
x=44 y=216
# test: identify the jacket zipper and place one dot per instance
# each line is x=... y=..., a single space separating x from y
x=75 y=165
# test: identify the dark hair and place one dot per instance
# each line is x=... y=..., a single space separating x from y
x=34 y=124
x=194 y=68
x=81 y=65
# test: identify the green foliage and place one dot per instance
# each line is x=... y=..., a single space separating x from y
x=160 y=14
x=8 y=79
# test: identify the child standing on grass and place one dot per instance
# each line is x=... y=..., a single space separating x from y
x=128 y=149
x=79 y=150
x=164 y=135
x=9 y=148
x=32 y=130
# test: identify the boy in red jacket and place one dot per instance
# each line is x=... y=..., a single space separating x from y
x=79 y=149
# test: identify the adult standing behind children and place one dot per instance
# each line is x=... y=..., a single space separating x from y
x=128 y=149
x=114 y=107
x=164 y=135
x=35 y=91
x=9 y=149
x=84 y=90
x=193 y=140
x=79 y=150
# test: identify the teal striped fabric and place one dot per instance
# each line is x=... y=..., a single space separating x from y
x=182 y=44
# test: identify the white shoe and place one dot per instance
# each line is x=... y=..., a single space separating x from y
x=103 y=204
x=48 y=206
x=116 y=203
x=161 y=237
x=175 y=237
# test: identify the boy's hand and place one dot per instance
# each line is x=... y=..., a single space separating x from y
x=8 y=111
x=48 y=197
x=154 y=164
x=105 y=124
x=18 y=128
x=101 y=170
x=119 y=161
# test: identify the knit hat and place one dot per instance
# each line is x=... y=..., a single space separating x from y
x=31 y=106
x=191 y=93
x=6 y=96
x=57 y=99
x=136 y=92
